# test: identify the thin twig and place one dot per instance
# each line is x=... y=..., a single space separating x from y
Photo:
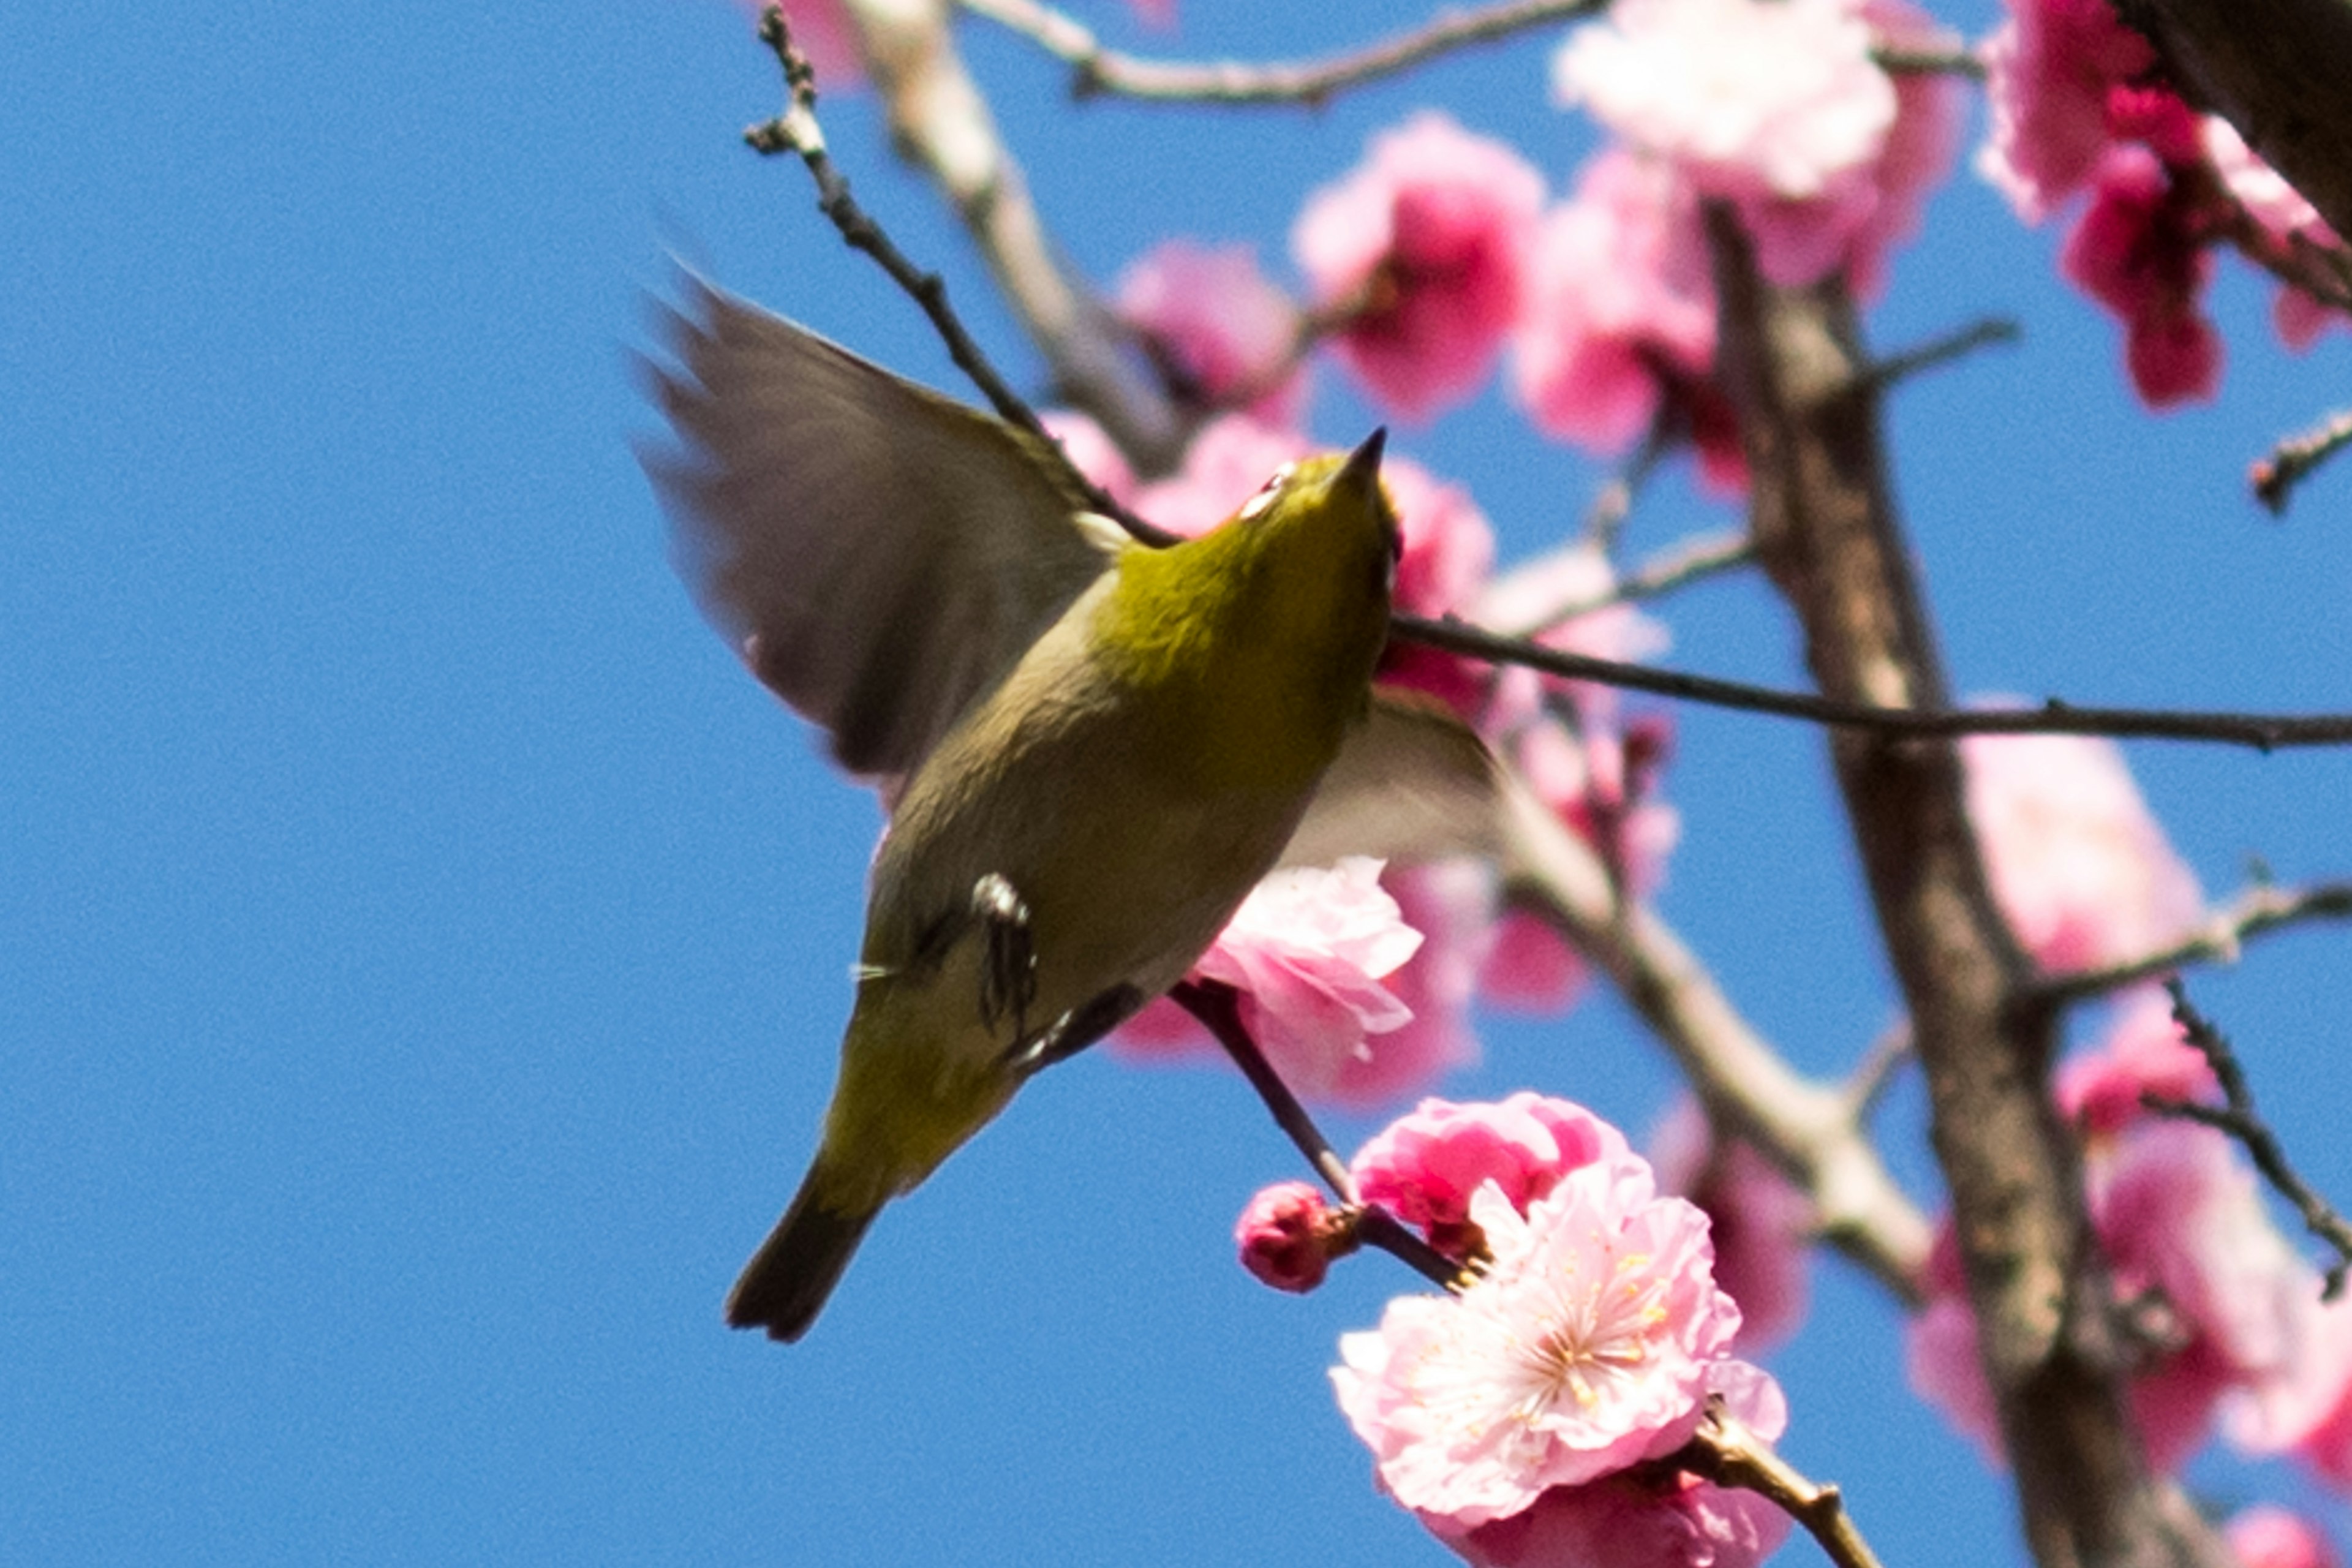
x=1872 y=1075
x=1218 y=1007
x=2274 y=477
x=796 y=130
x=2238 y=1117
x=2263 y=732
x=1936 y=352
x=2218 y=941
x=1961 y=61
x=1096 y=70
x=1727 y=1453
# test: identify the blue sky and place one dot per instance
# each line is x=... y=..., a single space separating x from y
x=424 y=948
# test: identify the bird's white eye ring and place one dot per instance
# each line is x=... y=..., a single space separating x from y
x=1265 y=492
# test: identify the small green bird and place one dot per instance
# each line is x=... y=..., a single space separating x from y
x=1096 y=747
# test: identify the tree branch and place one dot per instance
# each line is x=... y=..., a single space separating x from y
x=2274 y=477
x=1096 y=70
x=1218 y=1007
x=1827 y=532
x=1727 y=1453
x=941 y=123
x=2276 y=70
x=2263 y=732
x=2218 y=941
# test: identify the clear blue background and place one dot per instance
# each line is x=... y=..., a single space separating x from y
x=422 y=948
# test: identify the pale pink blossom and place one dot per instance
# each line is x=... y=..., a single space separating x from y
x=1091 y=451
x=1449 y=902
x=1219 y=324
x=1628 y=1521
x=1590 y=1343
x=1746 y=99
x=2080 y=870
x=2143 y=1052
x=1778 y=109
x=2268 y=1536
x=2285 y=219
x=1432 y=232
x=1335 y=1030
x=1762 y=1225
x=1922 y=146
x=1426 y=1166
x=1284 y=1237
x=2229 y=1314
x=1620 y=313
x=1308 y=951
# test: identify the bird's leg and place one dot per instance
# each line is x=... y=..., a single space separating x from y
x=1008 y=968
x=1076 y=1029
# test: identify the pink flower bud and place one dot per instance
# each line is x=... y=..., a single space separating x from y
x=1284 y=1237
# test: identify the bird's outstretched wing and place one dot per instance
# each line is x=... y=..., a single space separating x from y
x=1412 y=783
x=879 y=554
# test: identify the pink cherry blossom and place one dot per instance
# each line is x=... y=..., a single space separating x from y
x=1308 y=951
x=1620 y=313
x=1589 y=1344
x=1760 y=1224
x=1747 y=100
x=2078 y=866
x=2229 y=1314
x=1091 y=451
x=1671 y=1521
x=2144 y=1051
x=2049 y=72
x=1284 y=1237
x=2268 y=1536
x=1219 y=324
x=1449 y=903
x=2139 y=250
x=1778 y=109
x=1432 y=231
x=1426 y=1166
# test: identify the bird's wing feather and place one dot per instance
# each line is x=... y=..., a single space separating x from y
x=879 y=554
x=1412 y=783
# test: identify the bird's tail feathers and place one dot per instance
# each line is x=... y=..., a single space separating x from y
x=784 y=1285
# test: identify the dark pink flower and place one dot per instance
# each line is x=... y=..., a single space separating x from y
x=1424 y=1167
x=1448 y=548
x=2049 y=72
x=1284 y=1237
x=1218 y=324
x=1620 y=313
x=1431 y=232
x=1590 y=1343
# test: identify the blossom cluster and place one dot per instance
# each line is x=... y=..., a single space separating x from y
x=1532 y=1416
x=2227 y=1324
x=2079 y=105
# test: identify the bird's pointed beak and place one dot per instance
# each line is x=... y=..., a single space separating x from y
x=1361 y=471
